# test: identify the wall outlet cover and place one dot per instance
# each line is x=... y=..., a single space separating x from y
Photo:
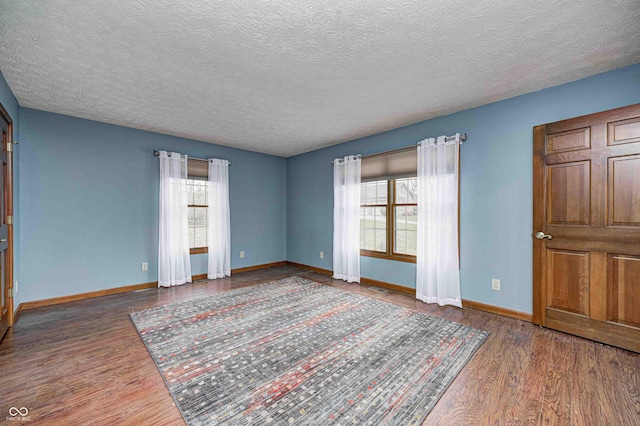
x=495 y=284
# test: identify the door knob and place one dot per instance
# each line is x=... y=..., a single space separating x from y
x=541 y=235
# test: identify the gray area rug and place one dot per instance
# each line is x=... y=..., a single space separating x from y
x=296 y=352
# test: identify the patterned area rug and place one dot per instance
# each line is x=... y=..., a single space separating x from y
x=296 y=352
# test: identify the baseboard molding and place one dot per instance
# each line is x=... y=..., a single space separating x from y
x=311 y=268
x=75 y=297
x=388 y=286
x=408 y=290
x=365 y=281
x=497 y=310
x=89 y=295
x=257 y=267
x=17 y=313
x=245 y=269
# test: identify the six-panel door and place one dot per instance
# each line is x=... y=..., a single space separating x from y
x=587 y=198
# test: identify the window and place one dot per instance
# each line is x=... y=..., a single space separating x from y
x=373 y=220
x=389 y=216
x=198 y=205
x=405 y=216
x=198 y=186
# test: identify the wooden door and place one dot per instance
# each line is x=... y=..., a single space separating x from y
x=586 y=189
x=6 y=227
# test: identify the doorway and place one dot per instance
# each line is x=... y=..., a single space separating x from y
x=6 y=223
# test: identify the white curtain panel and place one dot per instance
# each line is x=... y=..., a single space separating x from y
x=437 y=262
x=219 y=220
x=346 y=219
x=174 y=263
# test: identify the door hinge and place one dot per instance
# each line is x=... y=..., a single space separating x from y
x=9 y=220
x=9 y=146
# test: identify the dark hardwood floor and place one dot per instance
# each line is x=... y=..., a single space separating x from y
x=83 y=363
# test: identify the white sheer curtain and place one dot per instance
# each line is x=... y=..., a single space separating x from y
x=346 y=219
x=218 y=220
x=174 y=263
x=437 y=261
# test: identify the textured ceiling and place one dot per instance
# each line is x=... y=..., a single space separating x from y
x=285 y=76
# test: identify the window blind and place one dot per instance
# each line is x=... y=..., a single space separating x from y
x=397 y=164
x=198 y=169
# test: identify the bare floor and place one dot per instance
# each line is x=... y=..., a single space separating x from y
x=84 y=363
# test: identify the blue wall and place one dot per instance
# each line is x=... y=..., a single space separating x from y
x=87 y=193
x=90 y=204
x=496 y=186
x=10 y=103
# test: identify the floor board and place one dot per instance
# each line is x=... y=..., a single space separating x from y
x=83 y=363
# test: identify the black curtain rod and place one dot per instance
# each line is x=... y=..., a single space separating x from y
x=463 y=137
x=157 y=153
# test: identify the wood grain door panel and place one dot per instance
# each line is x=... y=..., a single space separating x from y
x=568 y=191
x=586 y=184
x=624 y=131
x=572 y=140
x=624 y=190
x=568 y=278
x=624 y=290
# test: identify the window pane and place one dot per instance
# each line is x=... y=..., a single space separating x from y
x=192 y=217
x=190 y=191
x=377 y=217
x=199 y=193
x=381 y=240
x=367 y=223
x=381 y=191
x=197 y=215
x=401 y=241
x=372 y=225
x=368 y=193
x=406 y=230
x=400 y=217
x=412 y=243
x=373 y=192
x=192 y=237
x=406 y=242
x=200 y=217
x=200 y=239
x=366 y=239
x=197 y=227
x=407 y=191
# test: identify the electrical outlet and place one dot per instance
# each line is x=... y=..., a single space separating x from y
x=241 y=254
x=495 y=284
x=321 y=255
x=15 y=288
x=145 y=266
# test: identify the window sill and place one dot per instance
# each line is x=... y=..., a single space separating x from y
x=396 y=257
x=199 y=250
